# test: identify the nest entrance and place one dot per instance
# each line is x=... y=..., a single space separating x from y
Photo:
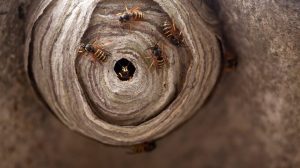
x=124 y=69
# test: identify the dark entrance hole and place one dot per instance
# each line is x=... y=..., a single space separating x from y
x=124 y=69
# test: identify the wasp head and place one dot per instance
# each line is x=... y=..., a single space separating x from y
x=156 y=50
x=124 y=69
x=124 y=18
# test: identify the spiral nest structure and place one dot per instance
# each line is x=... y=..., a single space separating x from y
x=89 y=96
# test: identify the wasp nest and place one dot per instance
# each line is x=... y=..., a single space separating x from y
x=131 y=96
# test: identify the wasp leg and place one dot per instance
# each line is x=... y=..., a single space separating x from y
x=173 y=25
x=151 y=64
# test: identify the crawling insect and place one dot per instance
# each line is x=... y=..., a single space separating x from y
x=133 y=14
x=98 y=51
x=230 y=62
x=229 y=59
x=157 y=56
x=124 y=74
x=143 y=148
x=173 y=33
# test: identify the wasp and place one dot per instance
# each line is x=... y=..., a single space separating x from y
x=229 y=58
x=143 y=148
x=171 y=31
x=230 y=61
x=157 y=55
x=98 y=51
x=133 y=14
x=124 y=74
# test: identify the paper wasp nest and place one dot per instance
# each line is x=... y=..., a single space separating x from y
x=89 y=96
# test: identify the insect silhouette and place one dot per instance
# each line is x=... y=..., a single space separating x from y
x=158 y=57
x=99 y=52
x=133 y=14
x=124 y=73
x=171 y=31
x=143 y=148
x=229 y=59
x=124 y=69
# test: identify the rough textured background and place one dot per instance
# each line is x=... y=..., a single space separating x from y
x=250 y=121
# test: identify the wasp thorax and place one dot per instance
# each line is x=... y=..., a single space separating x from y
x=89 y=48
x=156 y=52
x=175 y=41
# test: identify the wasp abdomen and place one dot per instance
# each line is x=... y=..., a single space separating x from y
x=101 y=55
x=138 y=15
x=174 y=35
